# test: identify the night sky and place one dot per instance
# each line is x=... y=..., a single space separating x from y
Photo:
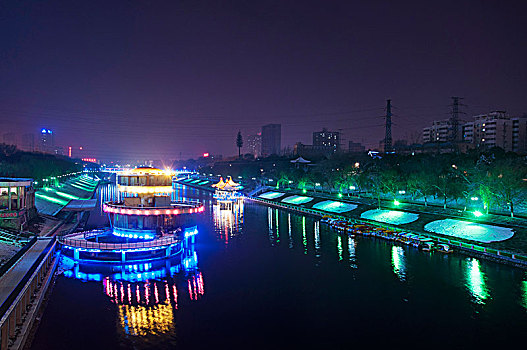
x=156 y=79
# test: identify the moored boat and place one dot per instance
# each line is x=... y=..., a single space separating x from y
x=443 y=248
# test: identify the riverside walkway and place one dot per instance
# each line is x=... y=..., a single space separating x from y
x=15 y=274
x=21 y=290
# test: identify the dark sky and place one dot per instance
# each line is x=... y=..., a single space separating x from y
x=136 y=79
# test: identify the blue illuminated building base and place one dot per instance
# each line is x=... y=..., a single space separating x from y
x=99 y=252
x=135 y=234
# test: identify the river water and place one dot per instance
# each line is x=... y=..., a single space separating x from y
x=267 y=278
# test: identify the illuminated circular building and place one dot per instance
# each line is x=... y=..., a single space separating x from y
x=145 y=223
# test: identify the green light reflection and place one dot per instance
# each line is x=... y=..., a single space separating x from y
x=476 y=281
x=317 y=240
x=399 y=262
x=339 y=247
x=304 y=237
x=277 y=230
x=351 y=251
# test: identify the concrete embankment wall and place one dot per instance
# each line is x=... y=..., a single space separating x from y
x=22 y=290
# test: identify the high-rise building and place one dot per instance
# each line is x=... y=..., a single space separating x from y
x=494 y=129
x=441 y=131
x=253 y=145
x=271 y=139
x=497 y=129
x=47 y=141
x=327 y=139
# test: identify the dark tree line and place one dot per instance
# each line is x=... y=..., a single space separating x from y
x=16 y=163
x=494 y=179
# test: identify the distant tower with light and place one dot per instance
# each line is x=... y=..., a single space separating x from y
x=388 y=128
x=47 y=141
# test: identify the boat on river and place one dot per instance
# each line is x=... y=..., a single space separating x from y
x=443 y=248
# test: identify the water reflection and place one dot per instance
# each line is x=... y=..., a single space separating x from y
x=317 y=241
x=277 y=226
x=270 y=225
x=399 y=262
x=149 y=308
x=107 y=193
x=146 y=295
x=476 y=280
x=290 y=231
x=339 y=247
x=524 y=294
x=304 y=237
x=351 y=250
x=228 y=222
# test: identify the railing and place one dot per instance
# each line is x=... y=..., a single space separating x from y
x=93 y=233
x=29 y=274
x=175 y=208
x=74 y=242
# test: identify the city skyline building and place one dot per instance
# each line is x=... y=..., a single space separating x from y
x=271 y=139
x=327 y=139
x=497 y=129
x=488 y=130
x=253 y=145
x=442 y=131
x=47 y=141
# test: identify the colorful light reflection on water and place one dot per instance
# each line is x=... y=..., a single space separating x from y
x=228 y=222
x=271 y=279
x=146 y=294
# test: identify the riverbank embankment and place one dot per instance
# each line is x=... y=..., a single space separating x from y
x=492 y=237
x=58 y=206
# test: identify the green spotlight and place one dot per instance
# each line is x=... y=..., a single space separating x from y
x=477 y=213
x=396 y=202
